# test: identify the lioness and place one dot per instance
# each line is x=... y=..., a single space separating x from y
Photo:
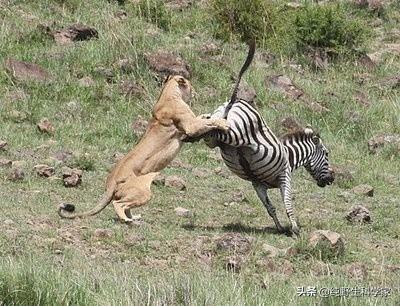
x=128 y=184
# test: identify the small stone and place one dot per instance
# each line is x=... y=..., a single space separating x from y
x=165 y=63
x=75 y=32
x=334 y=240
x=5 y=162
x=102 y=233
x=233 y=264
x=178 y=163
x=45 y=126
x=233 y=242
x=132 y=89
x=44 y=170
x=201 y=172
x=72 y=177
x=272 y=251
x=359 y=214
x=290 y=124
x=356 y=270
x=183 y=212
x=364 y=189
x=139 y=126
x=342 y=175
x=376 y=143
x=159 y=180
x=3 y=145
x=24 y=71
x=175 y=182
x=86 y=82
x=16 y=174
x=8 y=222
x=239 y=196
x=17 y=116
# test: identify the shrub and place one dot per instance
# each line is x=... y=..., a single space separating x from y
x=237 y=17
x=154 y=11
x=328 y=27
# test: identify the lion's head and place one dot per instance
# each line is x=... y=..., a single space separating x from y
x=179 y=85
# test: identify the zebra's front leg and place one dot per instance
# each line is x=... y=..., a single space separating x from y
x=286 y=193
x=262 y=194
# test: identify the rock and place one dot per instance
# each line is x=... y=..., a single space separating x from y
x=233 y=264
x=284 y=267
x=86 y=82
x=24 y=71
x=121 y=14
x=319 y=59
x=294 y=5
x=221 y=172
x=353 y=116
x=183 y=212
x=16 y=174
x=362 y=98
x=102 y=233
x=179 y=4
x=45 y=126
x=246 y=92
x=356 y=270
x=364 y=189
x=75 y=32
x=165 y=63
x=5 y=162
x=210 y=49
x=8 y=222
x=159 y=180
x=17 y=116
x=201 y=172
x=139 y=126
x=44 y=170
x=291 y=251
x=392 y=81
x=359 y=214
x=320 y=268
x=63 y=156
x=106 y=73
x=367 y=61
x=234 y=243
x=290 y=124
x=3 y=145
x=342 y=175
x=239 y=196
x=176 y=182
x=272 y=251
x=178 y=163
x=71 y=177
x=284 y=84
x=376 y=143
x=132 y=89
x=321 y=238
x=126 y=65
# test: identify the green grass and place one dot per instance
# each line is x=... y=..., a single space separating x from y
x=170 y=260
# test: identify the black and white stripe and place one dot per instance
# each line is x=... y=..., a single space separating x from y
x=252 y=151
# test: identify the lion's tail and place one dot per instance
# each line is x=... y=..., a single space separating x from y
x=67 y=210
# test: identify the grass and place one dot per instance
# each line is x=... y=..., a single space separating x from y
x=169 y=259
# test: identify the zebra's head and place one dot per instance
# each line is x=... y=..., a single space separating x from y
x=318 y=164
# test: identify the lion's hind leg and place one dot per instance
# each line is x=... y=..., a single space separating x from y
x=132 y=193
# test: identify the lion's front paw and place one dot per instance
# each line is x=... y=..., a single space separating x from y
x=222 y=124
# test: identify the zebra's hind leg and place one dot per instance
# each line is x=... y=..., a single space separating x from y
x=286 y=193
x=262 y=194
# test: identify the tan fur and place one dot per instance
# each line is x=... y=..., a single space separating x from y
x=128 y=184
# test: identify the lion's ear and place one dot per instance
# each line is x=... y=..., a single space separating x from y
x=182 y=81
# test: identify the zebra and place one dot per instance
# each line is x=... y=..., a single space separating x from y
x=252 y=151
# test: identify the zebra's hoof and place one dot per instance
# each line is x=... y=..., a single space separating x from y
x=295 y=232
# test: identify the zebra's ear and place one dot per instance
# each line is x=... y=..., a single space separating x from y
x=315 y=139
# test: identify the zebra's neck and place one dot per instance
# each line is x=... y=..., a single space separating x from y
x=300 y=149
